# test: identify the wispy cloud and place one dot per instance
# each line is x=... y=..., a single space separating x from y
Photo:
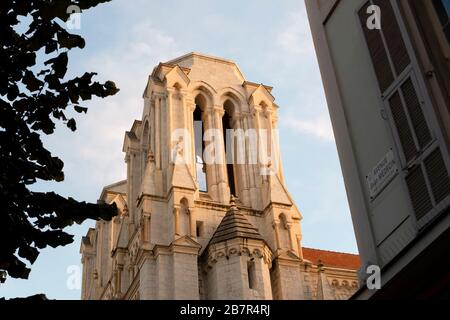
x=93 y=155
x=318 y=127
x=295 y=37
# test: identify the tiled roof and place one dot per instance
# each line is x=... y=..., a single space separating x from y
x=234 y=225
x=332 y=258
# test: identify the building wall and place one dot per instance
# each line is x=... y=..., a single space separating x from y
x=364 y=127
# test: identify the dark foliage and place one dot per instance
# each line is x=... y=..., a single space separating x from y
x=32 y=99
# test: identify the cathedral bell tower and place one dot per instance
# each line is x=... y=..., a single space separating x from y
x=206 y=136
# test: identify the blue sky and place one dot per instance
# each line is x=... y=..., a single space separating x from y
x=271 y=43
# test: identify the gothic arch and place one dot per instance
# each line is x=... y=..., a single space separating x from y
x=236 y=97
x=231 y=107
x=206 y=89
x=201 y=100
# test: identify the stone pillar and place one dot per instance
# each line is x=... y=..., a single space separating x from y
x=291 y=236
x=176 y=212
x=152 y=125
x=158 y=132
x=192 y=223
x=168 y=107
x=277 y=149
x=256 y=113
x=275 y=226
x=250 y=167
x=146 y=230
x=221 y=167
x=190 y=107
x=242 y=183
x=271 y=136
x=166 y=102
x=211 y=175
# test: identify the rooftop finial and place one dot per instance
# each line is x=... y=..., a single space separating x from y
x=233 y=199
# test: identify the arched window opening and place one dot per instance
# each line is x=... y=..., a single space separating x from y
x=227 y=136
x=200 y=166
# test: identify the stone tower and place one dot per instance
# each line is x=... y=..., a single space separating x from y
x=204 y=211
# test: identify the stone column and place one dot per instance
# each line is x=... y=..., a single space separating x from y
x=250 y=166
x=263 y=149
x=271 y=153
x=211 y=175
x=176 y=212
x=189 y=126
x=221 y=167
x=275 y=226
x=291 y=235
x=169 y=124
x=119 y=281
x=158 y=132
x=254 y=172
x=152 y=125
x=256 y=112
x=146 y=236
x=242 y=183
x=277 y=149
x=192 y=223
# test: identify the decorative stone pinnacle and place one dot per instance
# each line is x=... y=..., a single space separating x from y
x=233 y=199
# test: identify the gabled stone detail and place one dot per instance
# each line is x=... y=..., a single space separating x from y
x=181 y=175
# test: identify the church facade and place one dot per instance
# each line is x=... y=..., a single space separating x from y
x=204 y=212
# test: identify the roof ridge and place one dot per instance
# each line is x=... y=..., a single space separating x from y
x=331 y=251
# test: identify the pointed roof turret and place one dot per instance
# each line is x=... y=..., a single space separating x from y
x=234 y=225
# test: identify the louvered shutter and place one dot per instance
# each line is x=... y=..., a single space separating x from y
x=377 y=51
x=418 y=192
x=416 y=114
x=437 y=175
x=402 y=126
x=393 y=37
x=426 y=176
